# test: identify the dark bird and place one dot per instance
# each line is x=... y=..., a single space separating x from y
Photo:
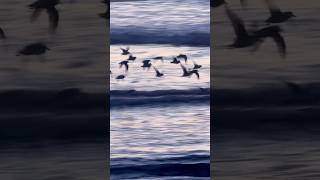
x=146 y=64
x=159 y=58
x=120 y=76
x=188 y=73
x=277 y=16
x=125 y=51
x=244 y=39
x=49 y=6
x=33 y=49
x=196 y=66
x=183 y=56
x=2 y=34
x=158 y=73
x=175 y=61
x=131 y=58
x=125 y=63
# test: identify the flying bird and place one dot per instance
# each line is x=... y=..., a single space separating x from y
x=158 y=73
x=196 y=66
x=120 y=76
x=146 y=64
x=188 y=73
x=277 y=16
x=245 y=39
x=124 y=63
x=175 y=61
x=132 y=58
x=33 y=49
x=49 y=6
x=183 y=56
x=125 y=51
x=2 y=34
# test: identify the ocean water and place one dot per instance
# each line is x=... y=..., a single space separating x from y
x=160 y=126
x=266 y=108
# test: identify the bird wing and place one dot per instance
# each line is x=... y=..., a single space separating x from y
x=53 y=18
x=127 y=66
x=272 y=7
x=185 y=71
x=197 y=74
x=280 y=43
x=157 y=71
x=237 y=22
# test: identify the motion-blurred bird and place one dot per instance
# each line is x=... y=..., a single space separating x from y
x=244 y=39
x=125 y=51
x=188 y=73
x=49 y=6
x=120 y=76
x=124 y=63
x=132 y=58
x=33 y=49
x=158 y=73
x=277 y=16
x=196 y=66
x=183 y=56
x=175 y=61
x=146 y=64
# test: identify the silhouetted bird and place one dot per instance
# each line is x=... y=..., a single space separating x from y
x=277 y=16
x=33 y=49
x=183 y=56
x=131 y=58
x=125 y=51
x=244 y=39
x=158 y=73
x=48 y=5
x=196 y=66
x=188 y=73
x=2 y=34
x=120 y=76
x=146 y=64
x=175 y=61
x=125 y=63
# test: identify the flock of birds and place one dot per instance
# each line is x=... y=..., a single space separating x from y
x=49 y=6
x=245 y=38
x=147 y=64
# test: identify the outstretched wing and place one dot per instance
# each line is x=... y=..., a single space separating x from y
x=53 y=18
x=280 y=43
x=237 y=23
x=197 y=74
x=185 y=71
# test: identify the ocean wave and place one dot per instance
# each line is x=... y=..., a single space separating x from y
x=186 y=166
x=133 y=35
x=158 y=97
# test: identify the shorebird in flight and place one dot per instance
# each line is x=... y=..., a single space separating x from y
x=146 y=64
x=188 y=73
x=245 y=39
x=277 y=16
x=124 y=63
x=33 y=49
x=158 y=73
x=125 y=51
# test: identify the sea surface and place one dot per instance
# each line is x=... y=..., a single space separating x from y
x=160 y=125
